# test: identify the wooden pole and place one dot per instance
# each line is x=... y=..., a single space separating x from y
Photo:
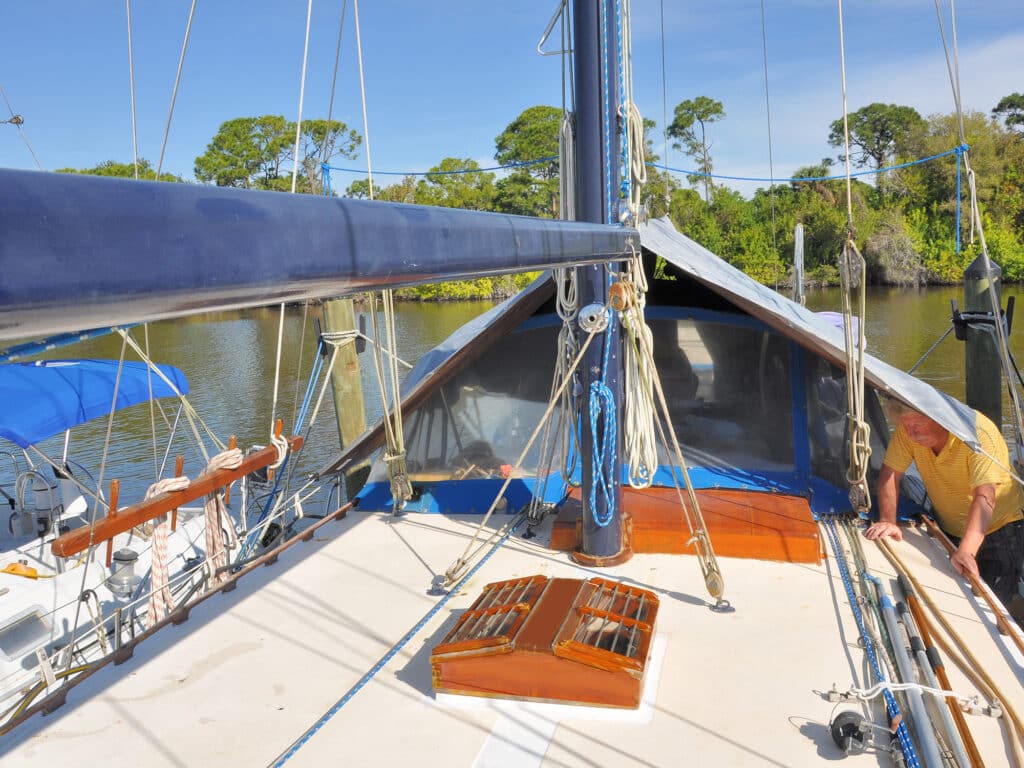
x=115 y=491
x=984 y=371
x=347 y=388
x=232 y=445
x=1002 y=622
x=179 y=470
x=925 y=629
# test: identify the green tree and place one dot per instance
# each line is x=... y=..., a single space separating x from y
x=878 y=133
x=122 y=170
x=656 y=195
x=257 y=152
x=689 y=128
x=457 y=183
x=533 y=189
x=1010 y=110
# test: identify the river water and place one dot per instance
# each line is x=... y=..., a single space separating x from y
x=229 y=359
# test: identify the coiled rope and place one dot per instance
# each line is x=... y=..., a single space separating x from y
x=161 y=601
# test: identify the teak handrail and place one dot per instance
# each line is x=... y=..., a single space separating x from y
x=125 y=519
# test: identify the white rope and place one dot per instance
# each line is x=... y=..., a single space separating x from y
x=346 y=337
x=867 y=694
x=174 y=93
x=161 y=601
x=633 y=122
x=640 y=442
x=302 y=95
x=394 y=455
x=217 y=516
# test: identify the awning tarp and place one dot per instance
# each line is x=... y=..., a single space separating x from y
x=803 y=326
x=44 y=398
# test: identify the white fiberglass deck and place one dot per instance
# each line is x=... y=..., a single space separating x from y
x=253 y=669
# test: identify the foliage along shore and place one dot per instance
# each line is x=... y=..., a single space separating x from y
x=904 y=225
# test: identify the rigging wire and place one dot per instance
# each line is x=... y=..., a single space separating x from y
x=302 y=96
x=664 y=88
x=334 y=83
x=1003 y=346
x=859 y=431
x=131 y=88
x=768 y=113
x=174 y=92
x=17 y=120
x=99 y=491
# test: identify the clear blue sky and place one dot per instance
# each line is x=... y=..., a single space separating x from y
x=444 y=78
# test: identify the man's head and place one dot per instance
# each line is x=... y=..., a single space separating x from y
x=918 y=427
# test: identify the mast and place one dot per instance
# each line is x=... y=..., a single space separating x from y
x=597 y=184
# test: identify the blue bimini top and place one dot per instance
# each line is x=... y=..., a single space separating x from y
x=44 y=398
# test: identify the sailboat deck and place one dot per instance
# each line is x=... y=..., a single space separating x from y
x=253 y=670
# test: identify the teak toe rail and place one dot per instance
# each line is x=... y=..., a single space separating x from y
x=121 y=520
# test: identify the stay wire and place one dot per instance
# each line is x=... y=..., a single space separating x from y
x=334 y=83
x=768 y=112
x=131 y=88
x=302 y=96
x=177 y=83
x=21 y=131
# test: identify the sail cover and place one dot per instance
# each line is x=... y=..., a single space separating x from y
x=803 y=326
x=44 y=398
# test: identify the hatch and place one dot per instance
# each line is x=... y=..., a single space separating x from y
x=551 y=639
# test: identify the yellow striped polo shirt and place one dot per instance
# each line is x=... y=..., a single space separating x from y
x=952 y=475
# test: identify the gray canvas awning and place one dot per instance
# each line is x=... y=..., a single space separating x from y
x=802 y=326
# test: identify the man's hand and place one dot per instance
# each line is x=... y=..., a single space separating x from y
x=882 y=530
x=964 y=562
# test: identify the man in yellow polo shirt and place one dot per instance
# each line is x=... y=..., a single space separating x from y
x=976 y=501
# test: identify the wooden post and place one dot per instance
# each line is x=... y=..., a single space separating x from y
x=347 y=388
x=984 y=372
x=179 y=470
x=115 y=491
x=232 y=445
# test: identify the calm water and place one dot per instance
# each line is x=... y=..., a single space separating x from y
x=229 y=360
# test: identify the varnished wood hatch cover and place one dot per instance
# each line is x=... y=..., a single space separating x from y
x=562 y=640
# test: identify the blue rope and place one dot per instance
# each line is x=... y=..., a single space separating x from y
x=314 y=377
x=891 y=707
x=389 y=655
x=605 y=114
x=521 y=164
x=959 y=153
x=956 y=151
x=54 y=342
x=602 y=405
x=626 y=183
